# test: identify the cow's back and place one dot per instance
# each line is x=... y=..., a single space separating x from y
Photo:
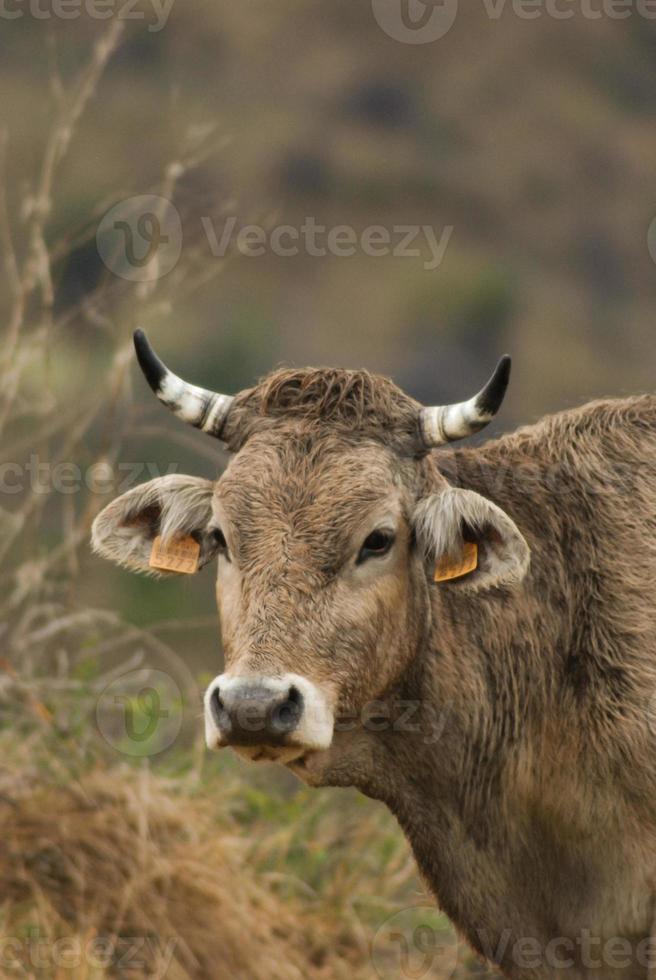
x=581 y=486
x=569 y=663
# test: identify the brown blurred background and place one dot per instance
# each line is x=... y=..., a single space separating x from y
x=532 y=139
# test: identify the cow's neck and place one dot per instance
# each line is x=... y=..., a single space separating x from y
x=457 y=833
x=518 y=823
x=503 y=857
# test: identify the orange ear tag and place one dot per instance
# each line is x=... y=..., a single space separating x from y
x=449 y=568
x=175 y=555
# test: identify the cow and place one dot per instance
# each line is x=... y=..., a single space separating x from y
x=467 y=634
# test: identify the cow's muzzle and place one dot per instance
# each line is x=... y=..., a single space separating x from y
x=281 y=716
x=256 y=715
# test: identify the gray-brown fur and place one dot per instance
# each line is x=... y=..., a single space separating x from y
x=519 y=748
x=348 y=401
x=537 y=809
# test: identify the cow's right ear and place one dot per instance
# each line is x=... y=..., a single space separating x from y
x=171 y=507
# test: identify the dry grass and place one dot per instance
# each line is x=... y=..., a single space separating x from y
x=120 y=857
x=131 y=868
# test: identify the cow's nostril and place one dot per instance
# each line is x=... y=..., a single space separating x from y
x=295 y=696
x=217 y=708
x=285 y=716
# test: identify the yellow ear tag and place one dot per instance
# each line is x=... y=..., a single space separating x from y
x=449 y=568
x=175 y=555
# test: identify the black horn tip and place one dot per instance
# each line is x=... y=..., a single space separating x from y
x=489 y=400
x=153 y=369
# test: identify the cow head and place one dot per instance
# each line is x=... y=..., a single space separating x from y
x=327 y=526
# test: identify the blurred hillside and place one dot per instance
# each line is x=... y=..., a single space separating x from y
x=532 y=140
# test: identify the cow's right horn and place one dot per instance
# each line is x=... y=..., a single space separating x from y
x=206 y=410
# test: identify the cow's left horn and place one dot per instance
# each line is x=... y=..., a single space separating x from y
x=207 y=410
x=445 y=423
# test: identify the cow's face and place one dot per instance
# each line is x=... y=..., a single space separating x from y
x=326 y=537
x=321 y=588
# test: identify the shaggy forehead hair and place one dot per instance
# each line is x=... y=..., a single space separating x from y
x=349 y=401
x=285 y=499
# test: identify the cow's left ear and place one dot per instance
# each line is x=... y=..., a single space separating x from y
x=462 y=528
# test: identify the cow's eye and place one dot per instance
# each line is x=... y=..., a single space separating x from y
x=377 y=544
x=218 y=540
